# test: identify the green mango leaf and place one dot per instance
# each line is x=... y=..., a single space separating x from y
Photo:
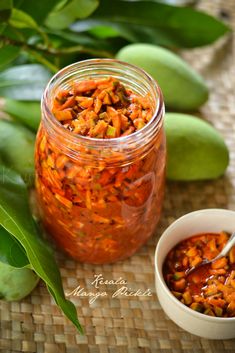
x=16 y=218
x=11 y=251
x=8 y=54
x=20 y=19
x=27 y=113
x=5 y=9
x=106 y=29
x=158 y=23
x=24 y=82
x=98 y=28
x=132 y=33
x=74 y=9
x=17 y=149
x=67 y=38
x=81 y=38
x=38 y=10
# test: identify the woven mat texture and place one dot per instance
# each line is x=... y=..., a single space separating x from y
x=138 y=324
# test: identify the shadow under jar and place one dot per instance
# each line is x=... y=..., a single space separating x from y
x=100 y=199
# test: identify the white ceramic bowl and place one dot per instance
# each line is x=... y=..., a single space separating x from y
x=210 y=220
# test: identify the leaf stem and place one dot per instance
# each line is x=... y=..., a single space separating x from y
x=44 y=36
x=41 y=59
x=56 y=51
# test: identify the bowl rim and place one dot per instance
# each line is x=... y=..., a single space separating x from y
x=158 y=271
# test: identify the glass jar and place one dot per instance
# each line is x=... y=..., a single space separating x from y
x=100 y=199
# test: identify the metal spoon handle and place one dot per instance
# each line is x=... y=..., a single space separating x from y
x=228 y=246
x=230 y=243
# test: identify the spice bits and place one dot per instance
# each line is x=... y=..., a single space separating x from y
x=101 y=109
x=210 y=289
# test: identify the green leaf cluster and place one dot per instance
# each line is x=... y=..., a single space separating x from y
x=43 y=31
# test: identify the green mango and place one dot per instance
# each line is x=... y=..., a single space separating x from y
x=183 y=88
x=16 y=283
x=195 y=150
x=17 y=149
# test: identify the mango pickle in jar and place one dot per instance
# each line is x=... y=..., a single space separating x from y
x=100 y=159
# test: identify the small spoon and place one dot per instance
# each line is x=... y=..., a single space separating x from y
x=230 y=243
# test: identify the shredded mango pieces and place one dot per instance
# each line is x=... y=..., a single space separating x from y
x=209 y=289
x=101 y=108
x=99 y=210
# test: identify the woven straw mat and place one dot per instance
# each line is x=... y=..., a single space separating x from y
x=138 y=324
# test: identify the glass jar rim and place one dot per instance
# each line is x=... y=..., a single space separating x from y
x=113 y=142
